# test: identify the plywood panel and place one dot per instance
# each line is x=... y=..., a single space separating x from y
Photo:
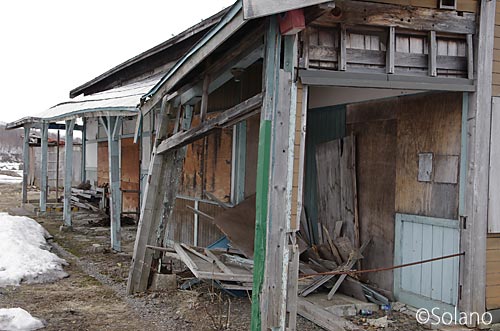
x=207 y=166
x=102 y=163
x=494 y=192
x=429 y=124
x=376 y=162
x=130 y=174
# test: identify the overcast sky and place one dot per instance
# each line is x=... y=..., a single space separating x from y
x=52 y=46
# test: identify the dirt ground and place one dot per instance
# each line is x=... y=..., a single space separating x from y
x=93 y=297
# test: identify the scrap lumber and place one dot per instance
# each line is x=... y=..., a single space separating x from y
x=208 y=265
x=353 y=259
x=322 y=317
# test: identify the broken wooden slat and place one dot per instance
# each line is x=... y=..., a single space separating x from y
x=186 y=259
x=218 y=262
x=352 y=262
x=195 y=252
x=322 y=317
x=334 y=250
x=212 y=197
x=200 y=213
x=224 y=276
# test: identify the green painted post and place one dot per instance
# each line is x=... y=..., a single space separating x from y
x=271 y=66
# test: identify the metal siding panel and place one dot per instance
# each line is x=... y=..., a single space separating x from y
x=426 y=282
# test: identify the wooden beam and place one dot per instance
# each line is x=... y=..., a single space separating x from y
x=474 y=229
x=26 y=161
x=407 y=17
x=43 y=167
x=184 y=138
x=115 y=200
x=393 y=81
x=68 y=171
x=391 y=50
x=432 y=54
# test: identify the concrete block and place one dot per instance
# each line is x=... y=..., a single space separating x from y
x=164 y=282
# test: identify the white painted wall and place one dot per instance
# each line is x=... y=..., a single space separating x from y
x=330 y=96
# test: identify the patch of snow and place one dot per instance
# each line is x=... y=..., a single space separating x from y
x=14 y=319
x=25 y=255
x=13 y=166
x=5 y=179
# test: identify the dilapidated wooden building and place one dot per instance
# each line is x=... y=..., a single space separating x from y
x=374 y=114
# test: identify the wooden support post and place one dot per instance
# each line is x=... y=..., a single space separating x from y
x=391 y=50
x=432 y=54
x=204 y=98
x=84 y=150
x=270 y=72
x=68 y=171
x=343 y=49
x=43 y=166
x=474 y=219
x=115 y=200
x=26 y=162
x=162 y=175
x=280 y=244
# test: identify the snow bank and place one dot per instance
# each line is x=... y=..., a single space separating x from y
x=4 y=179
x=24 y=255
x=14 y=319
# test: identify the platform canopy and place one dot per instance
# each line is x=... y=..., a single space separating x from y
x=118 y=101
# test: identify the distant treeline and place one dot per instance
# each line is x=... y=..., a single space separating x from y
x=11 y=144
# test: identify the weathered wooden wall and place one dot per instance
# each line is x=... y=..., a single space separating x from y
x=493 y=272
x=462 y=5
x=390 y=135
x=207 y=166
x=253 y=124
x=376 y=137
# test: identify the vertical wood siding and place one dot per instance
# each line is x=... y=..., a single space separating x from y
x=493 y=272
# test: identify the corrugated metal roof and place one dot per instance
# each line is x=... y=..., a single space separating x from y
x=119 y=101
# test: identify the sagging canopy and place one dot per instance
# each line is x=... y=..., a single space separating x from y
x=118 y=101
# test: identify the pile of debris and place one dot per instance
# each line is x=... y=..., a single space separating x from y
x=85 y=198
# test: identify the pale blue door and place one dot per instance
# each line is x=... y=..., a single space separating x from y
x=432 y=284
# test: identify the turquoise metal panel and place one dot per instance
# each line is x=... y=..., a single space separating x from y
x=323 y=125
x=432 y=284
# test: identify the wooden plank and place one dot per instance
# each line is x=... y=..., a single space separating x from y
x=115 y=199
x=470 y=57
x=218 y=262
x=204 y=98
x=186 y=259
x=342 y=49
x=318 y=315
x=414 y=18
x=391 y=50
x=432 y=54
x=184 y=138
